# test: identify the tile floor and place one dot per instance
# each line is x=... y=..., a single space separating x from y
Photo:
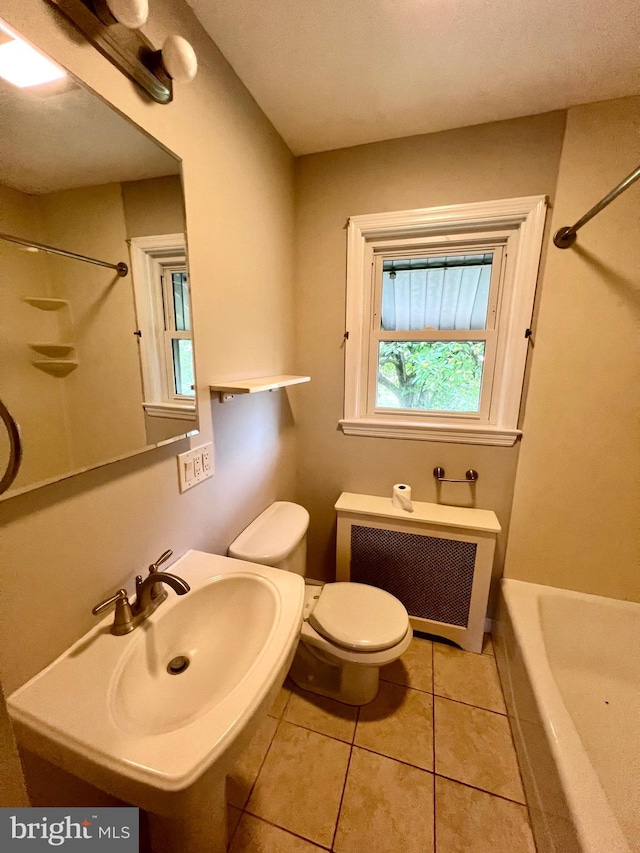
x=427 y=767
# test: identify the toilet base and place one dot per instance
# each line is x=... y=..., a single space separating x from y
x=351 y=683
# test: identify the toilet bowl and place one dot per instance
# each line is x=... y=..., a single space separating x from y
x=349 y=630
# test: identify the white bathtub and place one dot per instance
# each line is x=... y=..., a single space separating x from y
x=570 y=668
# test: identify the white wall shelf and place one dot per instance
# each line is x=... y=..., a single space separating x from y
x=228 y=390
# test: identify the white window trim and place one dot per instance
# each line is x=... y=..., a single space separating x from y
x=176 y=411
x=523 y=219
x=146 y=253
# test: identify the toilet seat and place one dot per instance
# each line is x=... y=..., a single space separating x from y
x=310 y=637
x=359 y=617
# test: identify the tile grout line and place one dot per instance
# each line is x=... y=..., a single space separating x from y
x=324 y=734
x=441 y=775
x=440 y=696
x=482 y=790
x=433 y=739
x=255 y=781
x=392 y=758
x=346 y=776
x=471 y=705
x=286 y=704
x=288 y=831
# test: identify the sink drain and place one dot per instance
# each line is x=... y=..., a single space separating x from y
x=177 y=665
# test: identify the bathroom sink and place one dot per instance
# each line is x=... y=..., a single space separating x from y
x=196 y=656
x=155 y=709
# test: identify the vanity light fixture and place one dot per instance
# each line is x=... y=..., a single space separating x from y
x=178 y=59
x=130 y=13
x=22 y=65
x=112 y=27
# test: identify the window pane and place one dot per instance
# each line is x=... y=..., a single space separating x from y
x=180 y=290
x=183 y=367
x=447 y=292
x=435 y=376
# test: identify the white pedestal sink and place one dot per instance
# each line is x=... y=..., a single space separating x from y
x=109 y=711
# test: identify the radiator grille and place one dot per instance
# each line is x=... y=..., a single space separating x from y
x=432 y=577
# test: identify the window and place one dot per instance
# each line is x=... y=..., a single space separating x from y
x=163 y=309
x=438 y=305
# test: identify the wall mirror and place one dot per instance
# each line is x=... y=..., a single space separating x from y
x=94 y=366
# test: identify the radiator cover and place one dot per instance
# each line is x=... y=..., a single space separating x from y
x=437 y=560
x=432 y=577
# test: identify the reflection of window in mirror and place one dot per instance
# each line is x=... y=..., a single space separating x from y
x=177 y=332
x=163 y=309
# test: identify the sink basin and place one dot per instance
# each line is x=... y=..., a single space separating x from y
x=153 y=713
x=218 y=632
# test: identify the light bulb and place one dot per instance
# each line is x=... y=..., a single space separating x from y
x=130 y=13
x=23 y=66
x=179 y=59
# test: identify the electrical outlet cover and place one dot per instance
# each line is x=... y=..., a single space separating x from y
x=194 y=466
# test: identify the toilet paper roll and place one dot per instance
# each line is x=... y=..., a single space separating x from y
x=401 y=497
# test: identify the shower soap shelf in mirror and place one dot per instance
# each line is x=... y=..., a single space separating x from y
x=51 y=349
x=56 y=366
x=46 y=303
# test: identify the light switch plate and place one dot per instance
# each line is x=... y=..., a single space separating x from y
x=194 y=466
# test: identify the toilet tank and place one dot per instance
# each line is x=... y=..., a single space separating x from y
x=277 y=537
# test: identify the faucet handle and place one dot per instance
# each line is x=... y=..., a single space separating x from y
x=122 y=621
x=119 y=596
x=161 y=559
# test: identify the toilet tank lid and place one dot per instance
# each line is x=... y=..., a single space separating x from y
x=273 y=535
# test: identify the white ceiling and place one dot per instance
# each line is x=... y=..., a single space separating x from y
x=335 y=73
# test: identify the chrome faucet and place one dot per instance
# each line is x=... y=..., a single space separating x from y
x=149 y=596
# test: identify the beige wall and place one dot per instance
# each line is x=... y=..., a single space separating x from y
x=154 y=206
x=501 y=160
x=70 y=544
x=576 y=511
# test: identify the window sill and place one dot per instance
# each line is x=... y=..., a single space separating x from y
x=456 y=433
x=176 y=411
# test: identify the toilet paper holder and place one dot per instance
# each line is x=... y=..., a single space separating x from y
x=470 y=476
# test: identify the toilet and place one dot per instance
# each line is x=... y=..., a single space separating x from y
x=349 y=630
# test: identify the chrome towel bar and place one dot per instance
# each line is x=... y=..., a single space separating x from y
x=470 y=476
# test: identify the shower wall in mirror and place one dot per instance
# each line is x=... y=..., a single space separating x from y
x=76 y=175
